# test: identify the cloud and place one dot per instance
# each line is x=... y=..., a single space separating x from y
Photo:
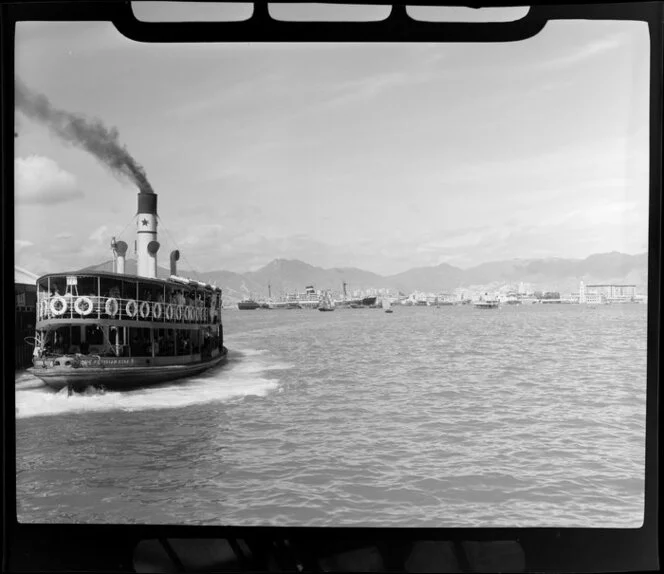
x=40 y=180
x=99 y=234
x=22 y=244
x=64 y=235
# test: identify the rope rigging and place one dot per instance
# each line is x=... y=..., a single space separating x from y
x=165 y=229
x=132 y=220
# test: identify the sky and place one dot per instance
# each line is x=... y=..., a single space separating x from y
x=378 y=156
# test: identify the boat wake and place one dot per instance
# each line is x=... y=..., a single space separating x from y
x=248 y=372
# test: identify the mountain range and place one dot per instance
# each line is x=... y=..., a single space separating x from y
x=554 y=274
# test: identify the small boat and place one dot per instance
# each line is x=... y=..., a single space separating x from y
x=248 y=304
x=387 y=306
x=115 y=330
x=326 y=303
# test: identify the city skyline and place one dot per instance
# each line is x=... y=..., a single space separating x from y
x=381 y=157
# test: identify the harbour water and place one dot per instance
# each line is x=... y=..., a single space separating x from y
x=451 y=417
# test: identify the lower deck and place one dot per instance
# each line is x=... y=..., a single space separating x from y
x=80 y=371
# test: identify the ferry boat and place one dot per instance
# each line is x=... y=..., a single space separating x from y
x=487 y=303
x=248 y=305
x=117 y=331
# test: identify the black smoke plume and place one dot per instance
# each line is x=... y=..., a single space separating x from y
x=90 y=134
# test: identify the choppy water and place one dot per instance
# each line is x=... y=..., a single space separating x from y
x=523 y=416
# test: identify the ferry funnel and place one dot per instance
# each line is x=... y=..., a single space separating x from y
x=120 y=251
x=175 y=257
x=146 y=235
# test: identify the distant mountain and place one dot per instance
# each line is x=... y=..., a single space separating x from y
x=288 y=275
x=443 y=276
x=235 y=285
x=550 y=273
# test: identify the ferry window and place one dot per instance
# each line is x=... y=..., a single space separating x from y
x=58 y=286
x=149 y=292
x=87 y=286
x=111 y=287
x=61 y=340
x=94 y=335
x=75 y=335
x=139 y=344
x=128 y=289
x=195 y=341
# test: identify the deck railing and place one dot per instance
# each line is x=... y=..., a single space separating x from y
x=93 y=307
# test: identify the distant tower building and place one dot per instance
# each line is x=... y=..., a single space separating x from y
x=582 y=293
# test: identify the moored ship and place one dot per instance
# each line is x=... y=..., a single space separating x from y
x=119 y=331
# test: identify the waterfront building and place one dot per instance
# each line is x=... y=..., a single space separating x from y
x=613 y=293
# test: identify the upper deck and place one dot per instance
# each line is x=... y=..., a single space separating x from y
x=83 y=296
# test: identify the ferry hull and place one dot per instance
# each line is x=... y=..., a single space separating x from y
x=119 y=378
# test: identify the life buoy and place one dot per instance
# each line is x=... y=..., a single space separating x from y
x=178 y=312
x=156 y=310
x=89 y=306
x=131 y=308
x=145 y=310
x=169 y=312
x=58 y=306
x=111 y=307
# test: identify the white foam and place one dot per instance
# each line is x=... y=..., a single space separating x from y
x=251 y=352
x=240 y=378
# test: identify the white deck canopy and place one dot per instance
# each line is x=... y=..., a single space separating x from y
x=24 y=277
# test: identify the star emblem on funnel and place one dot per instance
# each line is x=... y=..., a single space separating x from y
x=144 y=221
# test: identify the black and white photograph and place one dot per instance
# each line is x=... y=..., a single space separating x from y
x=328 y=284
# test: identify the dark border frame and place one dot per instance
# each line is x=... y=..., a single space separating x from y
x=100 y=547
